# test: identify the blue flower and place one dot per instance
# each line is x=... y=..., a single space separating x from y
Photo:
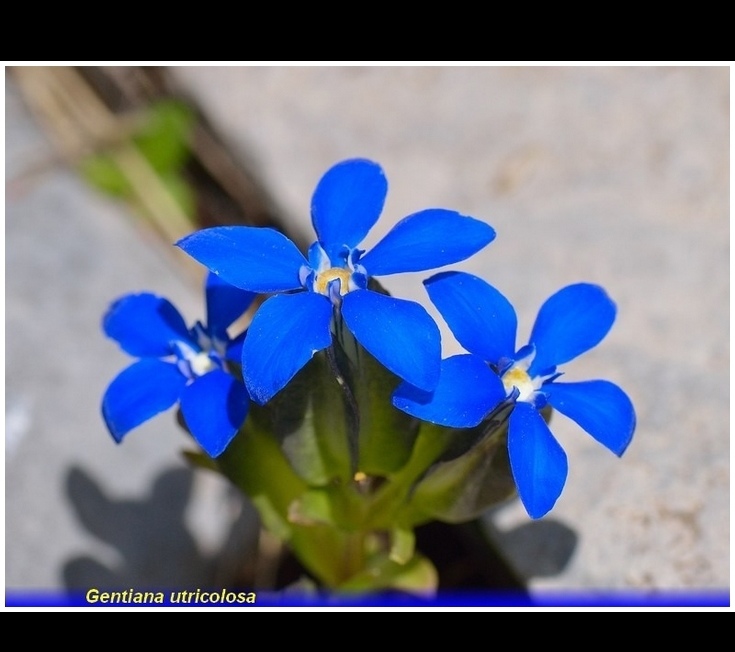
x=570 y=322
x=178 y=364
x=295 y=323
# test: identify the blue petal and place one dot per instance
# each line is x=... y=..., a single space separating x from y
x=145 y=325
x=466 y=393
x=600 y=407
x=538 y=462
x=139 y=393
x=214 y=407
x=225 y=303
x=426 y=240
x=285 y=333
x=483 y=320
x=399 y=334
x=569 y=323
x=346 y=204
x=234 y=349
x=249 y=257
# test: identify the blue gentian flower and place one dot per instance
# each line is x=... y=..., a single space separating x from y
x=294 y=324
x=570 y=322
x=178 y=364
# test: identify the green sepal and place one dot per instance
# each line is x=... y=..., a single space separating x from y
x=309 y=419
x=385 y=435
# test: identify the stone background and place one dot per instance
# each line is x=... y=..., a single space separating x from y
x=614 y=175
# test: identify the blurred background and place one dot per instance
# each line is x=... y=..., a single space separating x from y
x=614 y=175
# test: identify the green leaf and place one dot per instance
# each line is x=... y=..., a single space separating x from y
x=403 y=545
x=311 y=508
x=418 y=576
x=102 y=172
x=201 y=460
x=461 y=488
x=386 y=507
x=271 y=517
x=165 y=134
x=255 y=463
x=162 y=137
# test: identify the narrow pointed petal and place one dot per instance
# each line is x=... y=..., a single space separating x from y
x=139 y=393
x=570 y=322
x=399 y=334
x=225 y=303
x=538 y=462
x=285 y=333
x=481 y=318
x=426 y=240
x=252 y=258
x=599 y=407
x=145 y=325
x=346 y=204
x=214 y=407
x=466 y=393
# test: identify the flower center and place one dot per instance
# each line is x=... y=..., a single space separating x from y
x=201 y=364
x=323 y=279
x=519 y=378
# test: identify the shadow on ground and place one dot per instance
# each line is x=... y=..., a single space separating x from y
x=537 y=549
x=152 y=548
x=150 y=539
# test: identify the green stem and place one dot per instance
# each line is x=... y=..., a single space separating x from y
x=430 y=443
x=353 y=555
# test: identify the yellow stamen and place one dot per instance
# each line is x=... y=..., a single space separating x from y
x=323 y=279
x=201 y=364
x=517 y=377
